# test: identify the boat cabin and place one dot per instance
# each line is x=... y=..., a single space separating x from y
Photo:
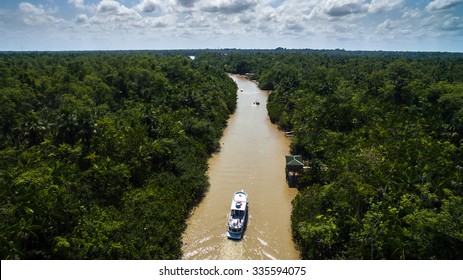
x=238 y=215
x=239 y=203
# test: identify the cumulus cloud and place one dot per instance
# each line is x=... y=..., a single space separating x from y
x=252 y=19
x=245 y=19
x=387 y=25
x=294 y=26
x=412 y=14
x=82 y=18
x=198 y=22
x=346 y=9
x=109 y=6
x=268 y=20
x=228 y=6
x=436 y=5
x=395 y=29
x=111 y=16
x=417 y=23
x=340 y=8
x=148 y=6
x=77 y=3
x=37 y=15
x=377 y=6
x=442 y=25
x=159 y=22
x=80 y=4
x=453 y=24
x=187 y=3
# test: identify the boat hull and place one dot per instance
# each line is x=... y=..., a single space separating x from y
x=235 y=235
x=237 y=219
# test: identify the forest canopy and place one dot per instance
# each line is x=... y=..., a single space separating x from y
x=103 y=154
x=382 y=135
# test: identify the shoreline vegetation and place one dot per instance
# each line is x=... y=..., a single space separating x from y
x=382 y=134
x=104 y=154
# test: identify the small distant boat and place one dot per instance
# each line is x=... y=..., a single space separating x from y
x=256 y=102
x=241 y=90
x=238 y=215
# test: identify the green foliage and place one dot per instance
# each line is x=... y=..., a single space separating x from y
x=382 y=134
x=102 y=155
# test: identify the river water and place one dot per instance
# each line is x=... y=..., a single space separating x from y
x=251 y=159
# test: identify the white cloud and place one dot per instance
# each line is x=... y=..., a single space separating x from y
x=77 y=3
x=294 y=26
x=436 y=5
x=187 y=3
x=198 y=22
x=82 y=18
x=165 y=21
x=345 y=28
x=113 y=11
x=148 y=6
x=397 y=29
x=228 y=6
x=453 y=24
x=386 y=25
x=80 y=4
x=109 y=6
x=244 y=21
x=416 y=24
x=267 y=20
x=37 y=15
x=341 y=8
x=377 y=6
x=412 y=14
x=442 y=25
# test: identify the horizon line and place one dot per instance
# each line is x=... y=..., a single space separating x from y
x=234 y=48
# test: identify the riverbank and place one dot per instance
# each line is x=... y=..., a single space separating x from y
x=251 y=158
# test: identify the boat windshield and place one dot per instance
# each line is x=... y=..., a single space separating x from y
x=237 y=214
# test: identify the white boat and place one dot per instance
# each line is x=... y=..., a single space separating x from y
x=238 y=215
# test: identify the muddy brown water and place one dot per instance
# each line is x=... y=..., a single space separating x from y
x=251 y=159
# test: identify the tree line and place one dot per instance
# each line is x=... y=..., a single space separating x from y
x=382 y=136
x=103 y=154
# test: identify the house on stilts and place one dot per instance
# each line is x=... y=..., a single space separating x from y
x=294 y=168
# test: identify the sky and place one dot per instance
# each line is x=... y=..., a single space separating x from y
x=393 y=25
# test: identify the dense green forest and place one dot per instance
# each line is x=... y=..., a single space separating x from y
x=103 y=154
x=382 y=135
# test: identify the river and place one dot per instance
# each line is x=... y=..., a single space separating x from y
x=251 y=159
